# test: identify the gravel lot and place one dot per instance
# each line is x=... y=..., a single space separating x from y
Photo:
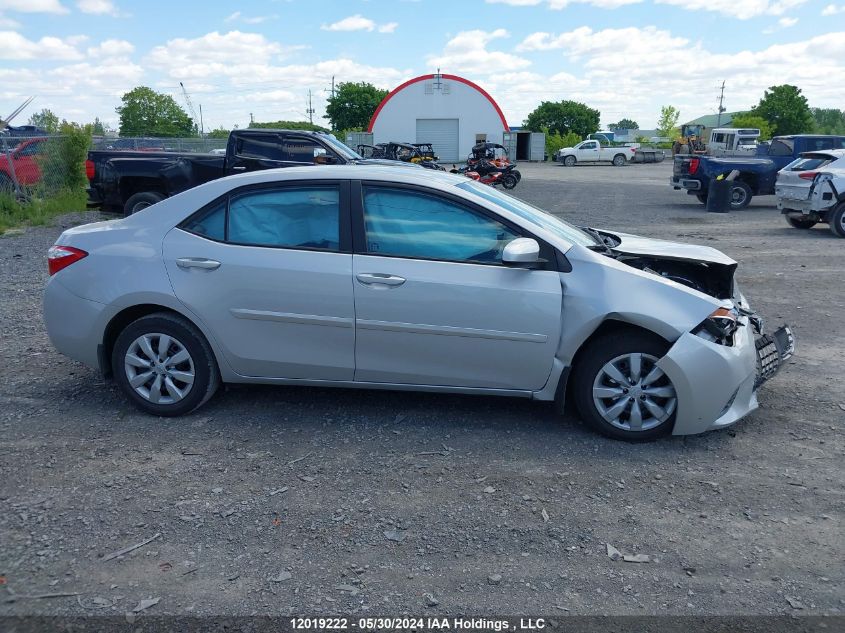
x=311 y=501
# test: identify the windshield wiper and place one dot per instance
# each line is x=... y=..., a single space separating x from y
x=600 y=244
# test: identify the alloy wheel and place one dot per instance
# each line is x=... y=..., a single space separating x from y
x=633 y=394
x=159 y=368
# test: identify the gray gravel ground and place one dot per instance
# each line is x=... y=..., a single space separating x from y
x=315 y=501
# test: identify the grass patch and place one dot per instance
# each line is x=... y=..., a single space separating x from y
x=38 y=212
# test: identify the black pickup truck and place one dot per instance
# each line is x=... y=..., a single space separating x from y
x=757 y=174
x=128 y=181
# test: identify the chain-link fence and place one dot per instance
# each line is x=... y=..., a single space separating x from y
x=39 y=166
x=152 y=144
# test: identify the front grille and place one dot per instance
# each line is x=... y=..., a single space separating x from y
x=768 y=359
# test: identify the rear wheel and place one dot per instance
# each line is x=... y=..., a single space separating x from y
x=509 y=181
x=141 y=201
x=837 y=221
x=740 y=195
x=164 y=365
x=619 y=389
x=569 y=161
x=618 y=160
x=702 y=197
x=802 y=222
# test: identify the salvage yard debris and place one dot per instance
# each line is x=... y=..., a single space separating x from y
x=614 y=555
x=131 y=548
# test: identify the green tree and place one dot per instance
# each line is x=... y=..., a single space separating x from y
x=220 y=132
x=786 y=109
x=353 y=104
x=667 y=124
x=146 y=112
x=624 y=124
x=97 y=127
x=63 y=162
x=46 y=120
x=289 y=125
x=746 y=119
x=561 y=117
x=829 y=120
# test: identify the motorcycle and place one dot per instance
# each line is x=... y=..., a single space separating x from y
x=487 y=172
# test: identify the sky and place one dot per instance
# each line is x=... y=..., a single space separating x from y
x=625 y=58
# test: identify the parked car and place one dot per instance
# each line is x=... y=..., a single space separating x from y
x=126 y=181
x=592 y=151
x=756 y=174
x=388 y=278
x=21 y=165
x=811 y=189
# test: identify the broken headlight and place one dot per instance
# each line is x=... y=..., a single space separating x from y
x=719 y=327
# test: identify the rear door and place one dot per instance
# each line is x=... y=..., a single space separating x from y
x=434 y=304
x=269 y=272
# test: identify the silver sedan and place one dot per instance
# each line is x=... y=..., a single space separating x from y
x=385 y=278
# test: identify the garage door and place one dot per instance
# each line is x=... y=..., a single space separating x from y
x=442 y=134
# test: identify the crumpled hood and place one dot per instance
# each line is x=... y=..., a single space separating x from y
x=664 y=249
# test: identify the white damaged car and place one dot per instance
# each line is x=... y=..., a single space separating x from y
x=385 y=278
x=811 y=189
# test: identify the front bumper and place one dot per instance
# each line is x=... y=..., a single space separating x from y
x=717 y=384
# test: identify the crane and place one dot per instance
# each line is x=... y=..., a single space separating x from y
x=4 y=123
x=191 y=108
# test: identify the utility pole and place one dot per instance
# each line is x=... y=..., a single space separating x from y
x=251 y=120
x=310 y=110
x=721 y=107
x=330 y=89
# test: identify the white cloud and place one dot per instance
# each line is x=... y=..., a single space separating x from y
x=352 y=23
x=557 y=5
x=33 y=6
x=467 y=53
x=9 y=23
x=388 y=27
x=237 y=16
x=110 y=49
x=741 y=9
x=97 y=7
x=787 y=22
x=233 y=47
x=832 y=9
x=16 y=46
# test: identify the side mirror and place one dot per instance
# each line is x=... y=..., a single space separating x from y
x=522 y=252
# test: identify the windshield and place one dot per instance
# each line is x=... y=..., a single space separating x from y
x=747 y=140
x=554 y=225
x=341 y=149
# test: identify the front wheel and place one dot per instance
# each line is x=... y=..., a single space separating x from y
x=618 y=160
x=509 y=181
x=837 y=221
x=619 y=389
x=164 y=365
x=802 y=222
x=569 y=161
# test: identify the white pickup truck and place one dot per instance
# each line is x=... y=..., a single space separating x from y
x=592 y=151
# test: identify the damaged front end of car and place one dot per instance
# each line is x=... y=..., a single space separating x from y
x=718 y=365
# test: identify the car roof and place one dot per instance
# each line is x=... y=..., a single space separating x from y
x=389 y=173
x=833 y=153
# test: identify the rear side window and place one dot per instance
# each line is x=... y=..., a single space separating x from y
x=781 y=147
x=211 y=223
x=265 y=146
x=301 y=217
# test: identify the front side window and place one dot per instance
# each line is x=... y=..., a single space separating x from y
x=588 y=146
x=260 y=146
x=300 y=217
x=408 y=223
x=303 y=151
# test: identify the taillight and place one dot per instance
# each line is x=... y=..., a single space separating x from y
x=693 y=165
x=59 y=257
x=808 y=175
x=89 y=169
x=633 y=150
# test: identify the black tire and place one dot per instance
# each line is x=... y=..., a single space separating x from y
x=589 y=367
x=836 y=220
x=509 y=181
x=518 y=175
x=141 y=201
x=570 y=161
x=206 y=375
x=740 y=195
x=619 y=160
x=702 y=197
x=803 y=222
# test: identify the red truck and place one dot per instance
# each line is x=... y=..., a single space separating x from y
x=21 y=164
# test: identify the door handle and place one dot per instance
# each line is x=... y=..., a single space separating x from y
x=239 y=168
x=379 y=279
x=197 y=262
